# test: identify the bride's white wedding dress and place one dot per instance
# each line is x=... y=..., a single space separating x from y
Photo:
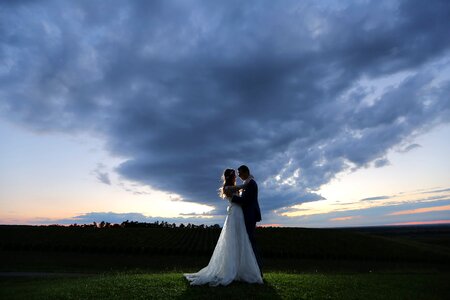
x=233 y=258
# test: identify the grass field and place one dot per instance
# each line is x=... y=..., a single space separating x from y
x=299 y=263
x=291 y=243
x=32 y=261
x=277 y=286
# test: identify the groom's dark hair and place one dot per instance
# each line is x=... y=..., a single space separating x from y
x=244 y=169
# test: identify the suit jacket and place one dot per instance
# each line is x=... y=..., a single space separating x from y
x=249 y=202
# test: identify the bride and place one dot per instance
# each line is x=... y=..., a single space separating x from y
x=233 y=258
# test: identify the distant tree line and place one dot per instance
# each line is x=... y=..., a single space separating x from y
x=136 y=224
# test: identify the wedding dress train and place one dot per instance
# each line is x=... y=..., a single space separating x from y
x=233 y=257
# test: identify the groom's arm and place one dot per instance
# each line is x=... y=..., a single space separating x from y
x=246 y=195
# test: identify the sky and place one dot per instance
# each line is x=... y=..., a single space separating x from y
x=131 y=110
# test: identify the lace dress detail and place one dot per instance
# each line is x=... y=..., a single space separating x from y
x=233 y=257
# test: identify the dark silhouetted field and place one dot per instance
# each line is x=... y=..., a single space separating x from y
x=291 y=249
x=299 y=263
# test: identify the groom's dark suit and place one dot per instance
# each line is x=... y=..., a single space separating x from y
x=252 y=214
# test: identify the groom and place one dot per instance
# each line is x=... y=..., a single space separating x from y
x=250 y=207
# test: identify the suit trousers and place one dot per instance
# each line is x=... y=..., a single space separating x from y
x=251 y=227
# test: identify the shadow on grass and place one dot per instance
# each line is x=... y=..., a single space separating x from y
x=235 y=290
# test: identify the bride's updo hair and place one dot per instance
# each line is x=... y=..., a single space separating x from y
x=229 y=179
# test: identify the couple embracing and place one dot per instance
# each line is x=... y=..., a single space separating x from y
x=235 y=256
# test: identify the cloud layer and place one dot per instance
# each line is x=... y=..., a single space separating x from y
x=297 y=91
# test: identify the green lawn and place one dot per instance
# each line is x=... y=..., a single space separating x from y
x=277 y=286
x=146 y=263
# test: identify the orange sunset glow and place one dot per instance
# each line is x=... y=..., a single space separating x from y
x=420 y=210
x=423 y=222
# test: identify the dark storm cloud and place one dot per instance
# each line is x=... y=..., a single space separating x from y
x=186 y=89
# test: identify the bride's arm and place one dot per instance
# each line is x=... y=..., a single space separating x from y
x=235 y=188
x=247 y=196
x=238 y=187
